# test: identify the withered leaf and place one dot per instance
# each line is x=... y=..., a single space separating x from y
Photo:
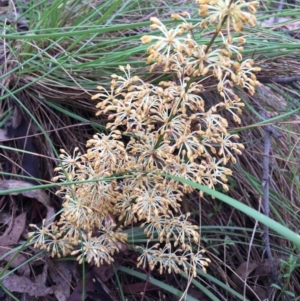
x=37 y=194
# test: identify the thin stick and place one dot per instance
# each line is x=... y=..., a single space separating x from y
x=249 y=252
x=280 y=79
x=269 y=131
x=265 y=186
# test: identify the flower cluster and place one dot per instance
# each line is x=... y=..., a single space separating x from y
x=172 y=128
x=229 y=11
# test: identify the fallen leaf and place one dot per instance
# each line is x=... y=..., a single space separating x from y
x=24 y=269
x=11 y=237
x=21 y=284
x=93 y=288
x=242 y=274
x=101 y=291
x=14 y=231
x=264 y=268
x=105 y=271
x=243 y=271
x=62 y=278
x=37 y=194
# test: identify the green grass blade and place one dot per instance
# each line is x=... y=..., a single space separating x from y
x=282 y=230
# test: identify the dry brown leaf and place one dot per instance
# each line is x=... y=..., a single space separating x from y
x=37 y=194
x=11 y=237
x=260 y=292
x=103 y=293
x=13 y=233
x=106 y=271
x=77 y=293
x=24 y=269
x=62 y=278
x=21 y=284
x=242 y=273
x=93 y=289
x=264 y=268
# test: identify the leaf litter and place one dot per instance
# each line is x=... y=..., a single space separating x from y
x=23 y=280
x=58 y=273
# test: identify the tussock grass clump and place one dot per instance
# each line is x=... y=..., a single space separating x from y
x=53 y=56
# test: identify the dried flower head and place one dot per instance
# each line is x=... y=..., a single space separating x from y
x=172 y=128
x=229 y=10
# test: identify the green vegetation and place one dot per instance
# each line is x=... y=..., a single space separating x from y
x=55 y=55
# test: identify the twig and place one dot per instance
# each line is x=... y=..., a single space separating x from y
x=281 y=79
x=249 y=252
x=265 y=186
x=269 y=131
